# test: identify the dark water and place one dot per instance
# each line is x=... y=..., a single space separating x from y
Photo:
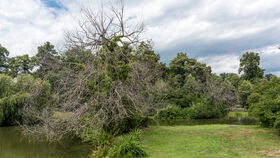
x=190 y=122
x=14 y=145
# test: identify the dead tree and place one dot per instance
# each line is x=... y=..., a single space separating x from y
x=97 y=27
x=112 y=85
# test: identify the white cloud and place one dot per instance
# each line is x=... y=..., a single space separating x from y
x=26 y=24
x=223 y=63
x=270 y=56
x=216 y=32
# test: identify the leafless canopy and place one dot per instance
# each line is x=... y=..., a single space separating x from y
x=100 y=26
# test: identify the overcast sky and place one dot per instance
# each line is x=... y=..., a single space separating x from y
x=215 y=32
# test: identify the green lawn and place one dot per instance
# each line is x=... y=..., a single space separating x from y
x=238 y=115
x=211 y=141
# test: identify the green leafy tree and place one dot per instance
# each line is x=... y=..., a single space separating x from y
x=269 y=76
x=19 y=95
x=46 y=59
x=20 y=64
x=249 y=65
x=244 y=90
x=264 y=102
x=233 y=79
x=224 y=75
x=146 y=54
x=3 y=58
x=182 y=67
x=13 y=67
x=178 y=68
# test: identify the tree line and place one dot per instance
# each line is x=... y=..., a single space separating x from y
x=184 y=84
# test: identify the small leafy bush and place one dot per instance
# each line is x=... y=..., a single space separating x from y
x=267 y=112
x=128 y=146
x=172 y=112
x=199 y=110
x=101 y=142
x=207 y=110
x=112 y=143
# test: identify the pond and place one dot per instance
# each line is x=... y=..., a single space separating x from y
x=14 y=145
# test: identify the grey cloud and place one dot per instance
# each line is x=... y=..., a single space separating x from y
x=217 y=30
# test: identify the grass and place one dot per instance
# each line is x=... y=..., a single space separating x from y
x=238 y=115
x=211 y=141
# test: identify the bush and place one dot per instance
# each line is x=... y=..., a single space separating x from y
x=125 y=146
x=267 y=112
x=207 y=110
x=107 y=143
x=101 y=143
x=128 y=146
x=199 y=110
x=172 y=112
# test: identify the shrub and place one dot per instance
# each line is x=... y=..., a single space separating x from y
x=128 y=146
x=107 y=143
x=125 y=146
x=199 y=110
x=172 y=112
x=267 y=112
x=207 y=110
x=101 y=143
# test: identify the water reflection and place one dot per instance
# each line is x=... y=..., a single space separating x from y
x=14 y=145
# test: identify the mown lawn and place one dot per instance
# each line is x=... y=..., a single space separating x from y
x=210 y=141
x=238 y=115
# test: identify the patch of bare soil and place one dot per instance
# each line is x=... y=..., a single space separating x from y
x=272 y=154
x=239 y=133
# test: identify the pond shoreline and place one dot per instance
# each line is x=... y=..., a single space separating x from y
x=191 y=122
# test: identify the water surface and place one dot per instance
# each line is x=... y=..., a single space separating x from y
x=14 y=145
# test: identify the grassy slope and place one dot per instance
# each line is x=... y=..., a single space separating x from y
x=211 y=141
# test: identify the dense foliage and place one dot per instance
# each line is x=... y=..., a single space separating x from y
x=264 y=102
x=19 y=95
x=249 y=65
